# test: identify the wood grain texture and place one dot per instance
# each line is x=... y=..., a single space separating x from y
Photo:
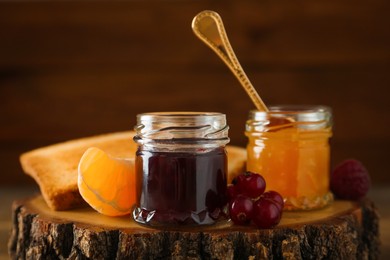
x=341 y=231
x=70 y=69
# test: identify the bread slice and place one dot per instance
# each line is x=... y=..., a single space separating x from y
x=54 y=167
x=236 y=161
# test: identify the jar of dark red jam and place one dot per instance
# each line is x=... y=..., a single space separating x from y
x=181 y=168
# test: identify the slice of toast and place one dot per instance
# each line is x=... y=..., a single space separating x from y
x=54 y=167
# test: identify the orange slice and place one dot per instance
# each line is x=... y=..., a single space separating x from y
x=107 y=184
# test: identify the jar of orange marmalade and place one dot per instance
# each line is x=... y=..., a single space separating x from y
x=289 y=147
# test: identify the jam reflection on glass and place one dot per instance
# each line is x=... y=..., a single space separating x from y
x=181 y=188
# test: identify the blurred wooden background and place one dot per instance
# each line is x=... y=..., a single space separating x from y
x=70 y=69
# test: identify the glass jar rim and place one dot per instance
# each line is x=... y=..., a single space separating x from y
x=305 y=117
x=180 y=116
x=303 y=113
x=181 y=127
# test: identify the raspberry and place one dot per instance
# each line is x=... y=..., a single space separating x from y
x=350 y=180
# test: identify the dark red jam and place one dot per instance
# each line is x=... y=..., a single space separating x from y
x=181 y=188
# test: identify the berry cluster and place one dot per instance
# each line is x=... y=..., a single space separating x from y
x=248 y=202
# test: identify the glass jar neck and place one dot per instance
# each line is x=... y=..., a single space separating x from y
x=181 y=130
x=281 y=117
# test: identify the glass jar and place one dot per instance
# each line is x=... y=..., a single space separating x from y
x=289 y=147
x=181 y=168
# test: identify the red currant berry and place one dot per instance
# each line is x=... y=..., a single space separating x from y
x=350 y=180
x=231 y=192
x=239 y=178
x=266 y=213
x=253 y=185
x=240 y=210
x=274 y=196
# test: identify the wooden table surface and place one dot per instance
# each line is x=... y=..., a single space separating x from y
x=379 y=194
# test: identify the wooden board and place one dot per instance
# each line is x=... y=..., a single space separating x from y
x=343 y=230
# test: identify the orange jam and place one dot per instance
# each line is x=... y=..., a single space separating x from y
x=289 y=147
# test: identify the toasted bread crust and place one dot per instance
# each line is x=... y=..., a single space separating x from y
x=54 y=167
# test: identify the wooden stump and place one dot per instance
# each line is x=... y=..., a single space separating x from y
x=344 y=230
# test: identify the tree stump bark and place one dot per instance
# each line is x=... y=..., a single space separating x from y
x=344 y=230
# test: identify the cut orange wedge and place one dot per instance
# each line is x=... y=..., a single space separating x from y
x=107 y=184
